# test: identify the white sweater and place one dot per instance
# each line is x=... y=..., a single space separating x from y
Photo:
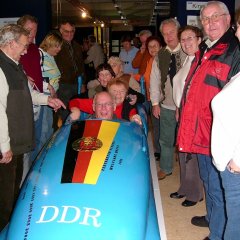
x=179 y=80
x=225 y=144
x=37 y=98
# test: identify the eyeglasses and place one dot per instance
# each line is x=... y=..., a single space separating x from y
x=188 y=39
x=106 y=105
x=105 y=74
x=68 y=32
x=153 y=46
x=214 y=18
x=25 y=46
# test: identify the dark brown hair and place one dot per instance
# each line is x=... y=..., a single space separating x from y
x=194 y=29
x=104 y=66
x=126 y=38
x=153 y=38
x=67 y=22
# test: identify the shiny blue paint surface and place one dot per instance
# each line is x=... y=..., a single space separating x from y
x=119 y=207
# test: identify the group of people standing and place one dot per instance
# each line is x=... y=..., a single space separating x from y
x=187 y=91
x=184 y=82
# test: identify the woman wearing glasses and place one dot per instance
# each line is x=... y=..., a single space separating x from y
x=190 y=183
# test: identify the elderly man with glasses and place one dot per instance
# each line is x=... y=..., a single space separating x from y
x=214 y=64
x=103 y=107
x=16 y=115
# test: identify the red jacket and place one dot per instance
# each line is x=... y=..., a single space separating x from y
x=207 y=76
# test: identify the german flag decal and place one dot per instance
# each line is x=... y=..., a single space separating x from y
x=87 y=149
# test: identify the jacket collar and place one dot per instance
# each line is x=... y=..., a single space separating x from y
x=225 y=39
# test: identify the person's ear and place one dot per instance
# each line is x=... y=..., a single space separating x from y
x=199 y=40
x=93 y=106
x=229 y=19
x=114 y=106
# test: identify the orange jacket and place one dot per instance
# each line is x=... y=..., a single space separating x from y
x=140 y=61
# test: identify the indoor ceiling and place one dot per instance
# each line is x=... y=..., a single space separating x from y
x=112 y=12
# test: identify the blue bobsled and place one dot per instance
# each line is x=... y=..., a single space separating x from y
x=92 y=181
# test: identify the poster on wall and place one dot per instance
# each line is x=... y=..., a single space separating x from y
x=195 y=5
x=194 y=21
x=115 y=46
x=4 y=21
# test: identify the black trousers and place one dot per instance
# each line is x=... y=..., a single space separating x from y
x=10 y=179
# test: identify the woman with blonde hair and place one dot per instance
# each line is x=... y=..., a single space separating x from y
x=49 y=48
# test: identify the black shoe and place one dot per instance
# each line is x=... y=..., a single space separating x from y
x=162 y=175
x=176 y=195
x=157 y=156
x=188 y=203
x=199 y=221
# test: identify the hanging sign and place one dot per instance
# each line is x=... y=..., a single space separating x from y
x=5 y=21
x=195 y=5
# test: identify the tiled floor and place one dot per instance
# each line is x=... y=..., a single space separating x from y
x=178 y=218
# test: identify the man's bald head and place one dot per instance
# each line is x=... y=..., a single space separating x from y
x=103 y=105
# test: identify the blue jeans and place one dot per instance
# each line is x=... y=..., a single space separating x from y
x=29 y=157
x=37 y=132
x=47 y=122
x=231 y=185
x=216 y=214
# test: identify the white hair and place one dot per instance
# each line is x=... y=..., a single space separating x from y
x=169 y=20
x=218 y=3
x=11 y=32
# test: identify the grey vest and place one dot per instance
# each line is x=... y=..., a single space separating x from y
x=164 y=57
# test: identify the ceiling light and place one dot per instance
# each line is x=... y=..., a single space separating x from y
x=84 y=14
x=102 y=25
